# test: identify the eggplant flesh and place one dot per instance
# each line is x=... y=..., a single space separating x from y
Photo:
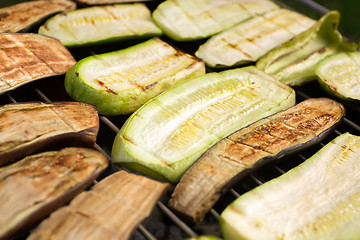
x=35 y=186
x=25 y=57
x=21 y=16
x=319 y=199
x=112 y=209
x=26 y=128
x=247 y=149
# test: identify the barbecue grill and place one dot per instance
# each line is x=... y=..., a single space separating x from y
x=163 y=223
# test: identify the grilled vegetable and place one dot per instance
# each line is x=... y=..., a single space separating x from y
x=294 y=62
x=101 y=24
x=241 y=152
x=120 y=82
x=251 y=39
x=29 y=127
x=35 y=186
x=25 y=57
x=112 y=209
x=185 y=20
x=340 y=75
x=205 y=238
x=96 y=2
x=169 y=132
x=317 y=200
x=23 y=15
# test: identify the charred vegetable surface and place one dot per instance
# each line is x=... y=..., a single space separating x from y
x=251 y=39
x=25 y=57
x=186 y=20
x=120 y=82
x=170 y=132
x=101 y=24
x=232 y=158
x=20 y=16
x=28 y=127
x=317 y=200
x=340 y=74
x=112 y=209
x=35 y=186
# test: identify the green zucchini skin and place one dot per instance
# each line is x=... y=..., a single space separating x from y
x=187 y=20
x=294 y=62
x=319 y=199
x=339 y=74
x=235 y=156
x=120 y=82
x=101 y=24
x=164 y=137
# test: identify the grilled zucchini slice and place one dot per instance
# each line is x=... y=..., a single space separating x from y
x=100 y=24
x=340 y=75
x=294 y=62
x=168 y=133
x=249 y=40
x=319 y=199
x=120 y=82
x=185 y=20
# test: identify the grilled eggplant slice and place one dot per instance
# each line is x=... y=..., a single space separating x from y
x=171 y=131
x=99 y=2
x=120 y=82
x=112 y=209
x=35 y=186
x=25 y=57
x=26 y=128
x=235 y=156
x=317 y=200
x=185 y=20
x=101 y=24
x=294 y=62
x=340 y=75
x=23 y=15
x=249 y=40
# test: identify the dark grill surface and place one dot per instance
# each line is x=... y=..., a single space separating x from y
x=162 y=223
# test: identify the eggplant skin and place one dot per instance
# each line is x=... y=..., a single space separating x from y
x=35 y=186
x=249 y=148
x=20 y=16
x=26 y=128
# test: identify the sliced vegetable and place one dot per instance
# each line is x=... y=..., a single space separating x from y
x=340 y=75
x=25 y=57
x=101 y=24
x=112 y=209
x=26 y=128
x=170 y=132
x=245 y=150
x=319 y=199
x=23 y=15
x=96 y=2
x=37 y=185
x=120 y=82
x=185 y=20
x=294 y=62
x=251 y=39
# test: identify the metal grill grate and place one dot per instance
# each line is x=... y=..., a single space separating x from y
x=163 y=223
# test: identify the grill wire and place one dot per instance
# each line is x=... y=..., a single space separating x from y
x=163 y=223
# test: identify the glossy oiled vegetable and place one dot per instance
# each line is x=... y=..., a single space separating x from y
x=36 y=185
x=340 y=74
x=120 y=82
x=237 y=155
x=25 y=57
x=185 y=20
x=23 y=15
x=95 y=2
x=112 y=209
x=294 y=62
x=317 y=200
x=251 y=39
x=101 y=24
x=169 y=132
x=29 y=127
